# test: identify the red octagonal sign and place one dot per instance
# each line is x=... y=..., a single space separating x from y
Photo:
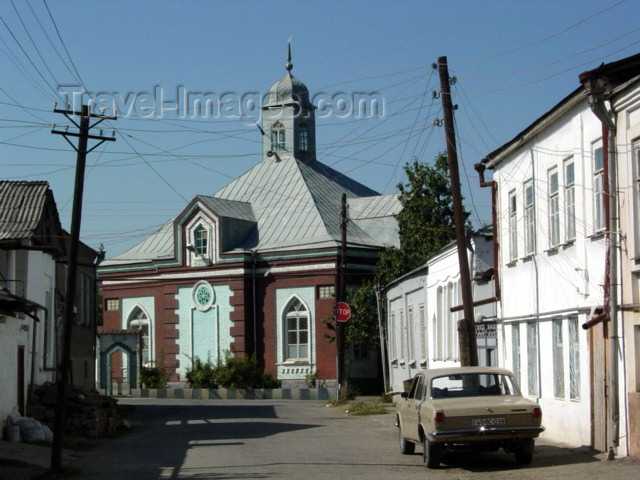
x=343 y=311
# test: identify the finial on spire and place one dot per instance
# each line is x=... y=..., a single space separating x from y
x=289 y=65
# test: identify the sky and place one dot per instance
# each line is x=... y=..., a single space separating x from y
x=147 y=62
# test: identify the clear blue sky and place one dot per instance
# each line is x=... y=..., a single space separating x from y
x=513 y=60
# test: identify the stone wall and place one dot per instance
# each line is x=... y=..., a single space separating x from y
x=88 y=414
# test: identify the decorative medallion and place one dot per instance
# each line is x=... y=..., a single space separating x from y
x=203 y=295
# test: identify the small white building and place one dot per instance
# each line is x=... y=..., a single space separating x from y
x=421 y=326
x=33 y=269
x=30 y=243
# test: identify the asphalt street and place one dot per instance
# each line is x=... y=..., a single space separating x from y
x=256 y=439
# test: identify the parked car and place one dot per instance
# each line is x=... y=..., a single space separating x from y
x=480 y=408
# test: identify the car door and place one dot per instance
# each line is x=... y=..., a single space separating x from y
x=411 y=409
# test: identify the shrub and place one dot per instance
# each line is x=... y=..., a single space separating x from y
x=152 y=378
x=201 y=375
x=230 y=373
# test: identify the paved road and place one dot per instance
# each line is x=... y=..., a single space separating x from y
x=183 y=439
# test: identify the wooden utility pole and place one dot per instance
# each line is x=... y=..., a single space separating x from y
x=69 y=305
x=468 y=345
x=341 y=294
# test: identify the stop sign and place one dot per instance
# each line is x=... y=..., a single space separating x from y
x=343 y=311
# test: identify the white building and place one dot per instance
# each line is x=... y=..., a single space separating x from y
x=615 y=92
x=30 y=242
x=421 y=326
x=554 y=268
x=33 y=268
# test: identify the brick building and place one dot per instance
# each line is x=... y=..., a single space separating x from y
x=252 y=269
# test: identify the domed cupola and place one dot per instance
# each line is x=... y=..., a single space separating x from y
x=288 y=119
x=288 y=90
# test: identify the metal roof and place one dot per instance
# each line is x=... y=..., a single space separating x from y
x=22 y=207
x=295 y=205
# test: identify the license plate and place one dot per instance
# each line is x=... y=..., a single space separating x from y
x=484 y=422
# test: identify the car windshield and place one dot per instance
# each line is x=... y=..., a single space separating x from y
x=473 y=385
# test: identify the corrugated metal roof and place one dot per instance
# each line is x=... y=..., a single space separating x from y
x=158 y=246
x=22 y=205
x=229 y=209
x=295 y=205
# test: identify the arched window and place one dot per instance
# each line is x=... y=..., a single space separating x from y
x=138 y=320
x=303 y=138
x=277 y=136
x=201 y=240
x=297 y=325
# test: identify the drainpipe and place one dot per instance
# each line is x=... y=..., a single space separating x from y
x=480 y=168
x=607 y=117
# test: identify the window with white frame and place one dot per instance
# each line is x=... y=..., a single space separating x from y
x=636 y=165
x=326 y=291
x=277 y=136
x=410 y=333
x=532 y=358
x=554 y=208
x=303 y=137
x=138 y=320
x=529 y=219
x=513 y=226
x=451 y=322
x=201 y=241
x=297 y=334
x=438 y=325
x=515 y=352
x=570 y=199
x=392 y=338
x=423 y=333
x=402 y=334
x=598 y=190
x=558 y=359
x=574 y=358
x=112 y=304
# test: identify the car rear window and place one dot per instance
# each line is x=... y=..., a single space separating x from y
x=473 y=385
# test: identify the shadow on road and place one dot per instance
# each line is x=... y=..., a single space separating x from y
x=544 y=456
x=168 y=433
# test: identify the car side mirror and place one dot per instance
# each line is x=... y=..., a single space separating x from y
x=404 y=395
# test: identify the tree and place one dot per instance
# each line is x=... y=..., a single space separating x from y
x=425 y=226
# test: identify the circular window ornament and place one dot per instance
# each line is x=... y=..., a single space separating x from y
x=203 y=295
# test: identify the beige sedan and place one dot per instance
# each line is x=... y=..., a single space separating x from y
x=467 y=408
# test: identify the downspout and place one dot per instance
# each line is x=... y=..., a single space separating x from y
x=480 y=168
x=607 y=116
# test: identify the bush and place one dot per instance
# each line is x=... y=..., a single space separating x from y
x=201 y=375
x=152 y=378
x=230 y=373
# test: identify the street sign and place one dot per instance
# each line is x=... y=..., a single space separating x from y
x=343 y=312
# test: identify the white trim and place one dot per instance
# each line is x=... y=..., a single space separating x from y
x=221 y=273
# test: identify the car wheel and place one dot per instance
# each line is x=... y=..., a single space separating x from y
x=524 y=451
x=406 y=447
x=429 y=454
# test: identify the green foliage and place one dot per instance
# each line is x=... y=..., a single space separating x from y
x=362 y=328
x=230 y=373
x=362 y=409
x=426 y=221
x=425 y=225
x=152 y=378
x=314 y=380
x=201 y=375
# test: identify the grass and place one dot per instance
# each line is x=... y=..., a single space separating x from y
x=361 y=409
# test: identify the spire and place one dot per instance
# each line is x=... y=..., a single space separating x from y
x=289 y=65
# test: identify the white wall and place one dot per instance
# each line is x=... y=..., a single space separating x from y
x=37 y=271
x=561 y=281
